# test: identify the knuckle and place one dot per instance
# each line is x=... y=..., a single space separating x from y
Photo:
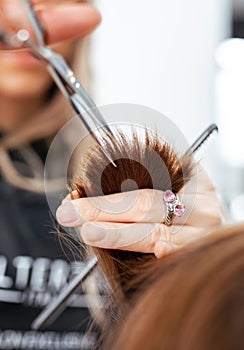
x=96 y=213
x=91 y=212
x=160 y=232
x=144 y=203
x=208 y=212
x=212 y=216
x=215 y=219
x=118 y=237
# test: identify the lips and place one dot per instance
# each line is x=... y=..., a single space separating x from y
x=23 y=58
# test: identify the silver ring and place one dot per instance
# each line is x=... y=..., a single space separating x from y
x=173 y=207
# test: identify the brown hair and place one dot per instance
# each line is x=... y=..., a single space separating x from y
x=193 y=299
x=148 y=161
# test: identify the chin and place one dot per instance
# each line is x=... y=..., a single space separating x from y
x=24 y=84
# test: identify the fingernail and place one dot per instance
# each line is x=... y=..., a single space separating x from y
x=93 y=233
x=67 y=213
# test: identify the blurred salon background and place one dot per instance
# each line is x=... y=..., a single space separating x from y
x=183 y=59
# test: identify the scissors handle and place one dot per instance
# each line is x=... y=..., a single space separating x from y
x=34 y=21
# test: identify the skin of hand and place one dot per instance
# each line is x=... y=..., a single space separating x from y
x=134 y=220
x=61 y=20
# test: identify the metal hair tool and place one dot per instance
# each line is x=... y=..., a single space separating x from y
x=59 y=304
x=202 y=138
x=61 y=73
x=56 y=307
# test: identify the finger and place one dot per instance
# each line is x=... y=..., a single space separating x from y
x=204 y=182
x=45 y=3
x=203 y=210
x=69 y=21
x=162 y=249
x=133 y=237
x=61 y=22
x=141 y=237
x=134 y=206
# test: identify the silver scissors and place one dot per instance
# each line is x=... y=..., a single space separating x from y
x=62 y=74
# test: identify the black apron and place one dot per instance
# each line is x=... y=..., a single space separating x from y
x=34 y=267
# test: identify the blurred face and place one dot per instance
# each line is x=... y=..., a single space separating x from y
x=21 y=75
x=24 y=76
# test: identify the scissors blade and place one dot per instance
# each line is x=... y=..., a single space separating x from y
x=55 y=308
x=67 y=82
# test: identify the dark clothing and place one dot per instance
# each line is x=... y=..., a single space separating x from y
x=33 y=269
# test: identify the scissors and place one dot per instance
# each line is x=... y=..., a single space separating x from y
x=61 y=73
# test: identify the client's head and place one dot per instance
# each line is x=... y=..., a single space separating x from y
x=193 y=299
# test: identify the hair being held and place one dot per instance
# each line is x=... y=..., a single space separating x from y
x=143 y=161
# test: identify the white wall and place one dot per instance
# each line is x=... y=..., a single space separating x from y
x=160 y=53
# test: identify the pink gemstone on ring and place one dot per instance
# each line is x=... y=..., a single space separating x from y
x=179 y=210
x=169 y=196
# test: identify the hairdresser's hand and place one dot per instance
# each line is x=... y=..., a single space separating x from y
x=62 y=20
x=133 y=220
